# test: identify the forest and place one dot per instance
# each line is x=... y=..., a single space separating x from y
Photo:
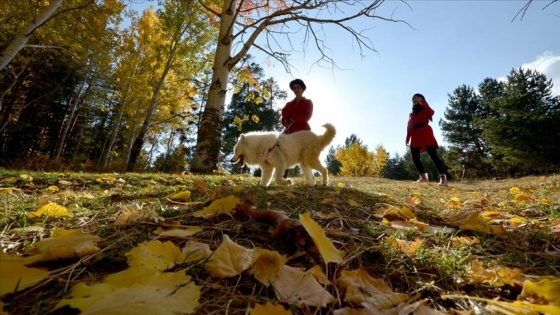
x=96 y=86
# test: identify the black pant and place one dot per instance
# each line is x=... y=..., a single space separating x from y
x=432 y=152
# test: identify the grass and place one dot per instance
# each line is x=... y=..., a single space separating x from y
x=441 y=265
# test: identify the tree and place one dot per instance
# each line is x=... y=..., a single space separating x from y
x=241 y=23
x=333 y=165
x=523 y=130
x=355 y=159
x=252 y=106
x=462 y=129
x=172 y=37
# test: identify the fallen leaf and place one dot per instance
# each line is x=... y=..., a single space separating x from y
x=229 y=259
x=51 y=210
x=65 y=244
x=496 y=276
x=407 y=247
x=181 y=196
x=361 y=287
x=184 y=233
x=269 y=309
x=15 y=276
x=220 y=206
x=155 y=255
x=325 y=245
x=267 y=266
x=130 y=216
x=136 y=291
x=547 y=288
x=194 y=251
x=298 y=287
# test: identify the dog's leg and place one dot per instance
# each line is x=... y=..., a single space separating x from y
x=324 y=172
x=278 y=161
x=308 y=172
x=266 y=174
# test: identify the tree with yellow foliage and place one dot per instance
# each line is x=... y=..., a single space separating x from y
x=357 y=161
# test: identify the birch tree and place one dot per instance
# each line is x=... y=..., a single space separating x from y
x=267 y=26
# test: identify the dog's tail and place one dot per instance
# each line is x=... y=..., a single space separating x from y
x=328 y=136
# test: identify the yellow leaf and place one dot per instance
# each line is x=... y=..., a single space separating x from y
x=6 y=191
x=222 y=205
x=65 y=244
x=497 y=276
x=269 y=309
x=521 y=197
x=15 y=276
x=9 y=180
x=238 y=188
x=298 y=287
x=182 y=196
x=185 y=233
x=130 y=216
x=545 y=202
x=547 y=288
x=323 y=243
x=517 y=307
x=514 y=190
x=200 y=185
x=361 y=287
x=194 y=251
x=407 y=247
x=229 y=259
x=516 y=221
x=155 y=255
x=136 y=291
x=353 y=203
x=472 y=220
x=454 y=202
x=26 y=177
x=52 y=188
x=327 y=201
x=406 y=212
x=267 y=265
x=51 y=210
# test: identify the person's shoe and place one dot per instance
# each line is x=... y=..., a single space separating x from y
x=423 y=178
x=443 y=180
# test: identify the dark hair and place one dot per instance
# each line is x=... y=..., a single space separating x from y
x=298 y=82
x=419 y=95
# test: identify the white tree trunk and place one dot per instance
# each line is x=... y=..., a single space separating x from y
x=208 y=141
x=19 y=41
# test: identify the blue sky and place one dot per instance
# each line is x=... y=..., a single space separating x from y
x=452 y=43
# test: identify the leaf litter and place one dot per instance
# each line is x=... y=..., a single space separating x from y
x=176 y=244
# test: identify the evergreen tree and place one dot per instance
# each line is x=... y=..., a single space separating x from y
x=251 y=107
x=462 y=129
x=333 y=165
x=523 y=130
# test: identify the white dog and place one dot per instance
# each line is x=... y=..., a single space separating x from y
x=273 y=153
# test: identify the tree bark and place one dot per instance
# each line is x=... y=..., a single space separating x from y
x=19 y=41
x=208 y=142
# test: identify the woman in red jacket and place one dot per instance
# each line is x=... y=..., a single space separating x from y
x=297 y=112
x=420 y=138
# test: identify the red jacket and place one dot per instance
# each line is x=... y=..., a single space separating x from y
x=418 y=131
x=296 y=115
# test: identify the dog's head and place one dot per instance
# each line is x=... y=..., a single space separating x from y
x=239 y=152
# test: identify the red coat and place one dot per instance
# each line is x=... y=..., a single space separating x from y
x=418 y=131
x=298 y=113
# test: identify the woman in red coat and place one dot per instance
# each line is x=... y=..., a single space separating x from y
x=420 y=138
x=297 y=112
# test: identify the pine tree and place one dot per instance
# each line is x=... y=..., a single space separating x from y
x=462 y=129
x=251 y=107
x=524 y=131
